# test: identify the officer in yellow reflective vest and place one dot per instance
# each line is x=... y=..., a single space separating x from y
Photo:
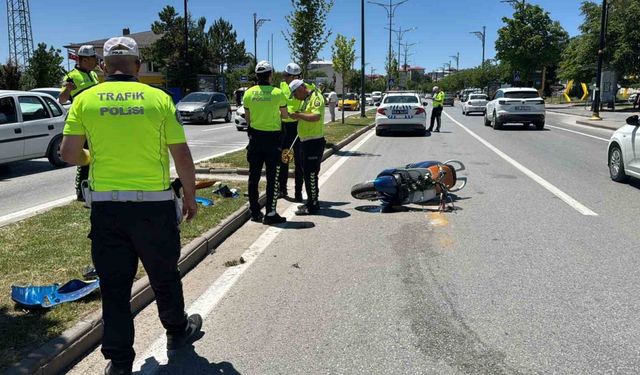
x=132 y=128
x=438 y=106
x=311 y=132
x=290 y=128
x=265 y=107
x=76 y=81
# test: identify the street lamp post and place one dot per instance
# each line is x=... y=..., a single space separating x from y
x=596 y=94
x=400 y=34
x=363 y=99
x=391 y=9
x=457 y=58
x=256 y=25
x=186 y=46
x=482 y=35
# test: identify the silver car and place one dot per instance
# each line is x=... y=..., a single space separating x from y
x=31 y=126
x=204 y=107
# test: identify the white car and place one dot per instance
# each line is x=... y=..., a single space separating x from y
x=31 y=126
x=624 y=151
x=515 y=104
x=475 y=103
x=402 y=112
x=368 y=99
x=55 y=92
x=377 y=97
x=239 y=119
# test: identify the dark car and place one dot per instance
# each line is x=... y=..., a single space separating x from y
x=204 y=107
x=448 y=99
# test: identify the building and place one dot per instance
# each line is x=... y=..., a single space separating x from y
x=326 y=67
x=149 y=73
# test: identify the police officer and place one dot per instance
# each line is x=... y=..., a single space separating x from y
x=311 y=132
x=132 y=128
x=438 y=106
x=265 y=107
x=76 y=81
x=290 y=127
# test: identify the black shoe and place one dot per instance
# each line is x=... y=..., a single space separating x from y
x=429 y=130
x=257 y=217
x=113 y=369
x=437 y=130
x=306 y=210
x=273 y=219
x=194 y=324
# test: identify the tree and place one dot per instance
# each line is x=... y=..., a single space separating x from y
x=343 y=55
x=530 y=41
x=226 y=52
x=309 y=33
x=392 y=69
x=44 y=69
x=10 y=77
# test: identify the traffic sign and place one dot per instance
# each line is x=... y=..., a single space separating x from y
x=244 y=79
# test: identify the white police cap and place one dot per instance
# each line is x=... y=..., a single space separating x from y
x=293 y=69
x=121 y=46
x=87 y=51
x=263 y=67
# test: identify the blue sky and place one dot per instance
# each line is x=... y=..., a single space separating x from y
x=442 y=26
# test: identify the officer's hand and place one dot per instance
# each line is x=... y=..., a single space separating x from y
x=190 y=208
x=70 y=85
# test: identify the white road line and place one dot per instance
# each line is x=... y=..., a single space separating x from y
x=205 y=304
x=544 y=183
x=573 y=131
x=220 y=128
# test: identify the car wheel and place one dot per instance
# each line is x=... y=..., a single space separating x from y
x=379 y=132
x=54 y=153
x=486 y=120
x=540 y=125
x=227 y=118
x=209 y=118
x=616 y=165
x=464 y=113
x=495 y=123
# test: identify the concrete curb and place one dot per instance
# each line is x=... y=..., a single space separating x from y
x=61 y=352
x=598 y=124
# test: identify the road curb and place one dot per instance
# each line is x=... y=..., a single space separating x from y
x=59 y=353
x=597 y=124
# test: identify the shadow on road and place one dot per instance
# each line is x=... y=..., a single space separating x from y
x=25 y=168
x=355 y=153
x=187 y=361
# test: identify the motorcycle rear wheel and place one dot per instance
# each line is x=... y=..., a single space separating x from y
x=365 y=191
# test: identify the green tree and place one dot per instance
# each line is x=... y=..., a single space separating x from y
x=44 y=69
x=530 y=41
x=393 y=71
x=343 y=55
x=309 y=33
x=10 y=77
x=226 y=52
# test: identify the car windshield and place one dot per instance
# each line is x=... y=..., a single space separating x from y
x=196 y=97
x=521 y=94
x=54 y=93
x=478 y=97
x=350 y=96
x=400 y=99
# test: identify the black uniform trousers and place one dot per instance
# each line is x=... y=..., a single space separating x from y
x=312 y=151
x=264 y=150
x=82 y=174
x=436 y=114
x=121 y=233
x=290 y=133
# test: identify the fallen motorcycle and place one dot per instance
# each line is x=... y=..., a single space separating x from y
x=413 y=183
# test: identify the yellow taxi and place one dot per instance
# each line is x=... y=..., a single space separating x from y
x=349 y=103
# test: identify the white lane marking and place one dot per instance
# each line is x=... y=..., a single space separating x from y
x=205 y=304
x=541 y=181
x=573 y=131
x=220 y=128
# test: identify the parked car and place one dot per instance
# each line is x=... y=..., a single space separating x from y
x=403 y=112
x=449 y=99
x=623 y=156
x=515 y=104
x=377 y=97
x=55 y=92
x=476 y=103
x=239 y=119
x=349 y=102
x=368 y=99
x=204 y=107
x=31 y=126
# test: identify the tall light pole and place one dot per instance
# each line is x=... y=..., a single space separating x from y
x=482 y=35
x=400 y=34
x=596 y=94
x=457 y=58
x=363 y=99
x=186 y=44
x=256 y=25
x=391 y=10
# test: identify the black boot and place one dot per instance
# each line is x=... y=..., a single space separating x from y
x=117 y=369
x=189 y=335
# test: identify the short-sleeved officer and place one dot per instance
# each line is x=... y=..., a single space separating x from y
x=131 y=128
x=76 y=81
x=311 y=132
x=290 y=128
x=265 y=107
x=438 y=106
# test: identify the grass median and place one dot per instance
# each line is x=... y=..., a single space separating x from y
x=334 y=133
x=53 y=248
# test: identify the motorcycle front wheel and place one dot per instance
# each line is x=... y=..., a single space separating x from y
x=365 y=191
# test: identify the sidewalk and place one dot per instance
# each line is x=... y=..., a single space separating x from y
x=610 y=120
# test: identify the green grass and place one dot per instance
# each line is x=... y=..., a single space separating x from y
x=53 y=247
x=334 y=133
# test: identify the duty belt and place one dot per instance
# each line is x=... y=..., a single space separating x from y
x=131 y=196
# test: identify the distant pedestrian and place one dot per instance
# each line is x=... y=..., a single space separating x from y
x=82 y=77
x=438 y=105
x=132 y=128
x=333 y=102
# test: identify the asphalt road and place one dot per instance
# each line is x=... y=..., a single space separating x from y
x=515 y=281
x=35 y=183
